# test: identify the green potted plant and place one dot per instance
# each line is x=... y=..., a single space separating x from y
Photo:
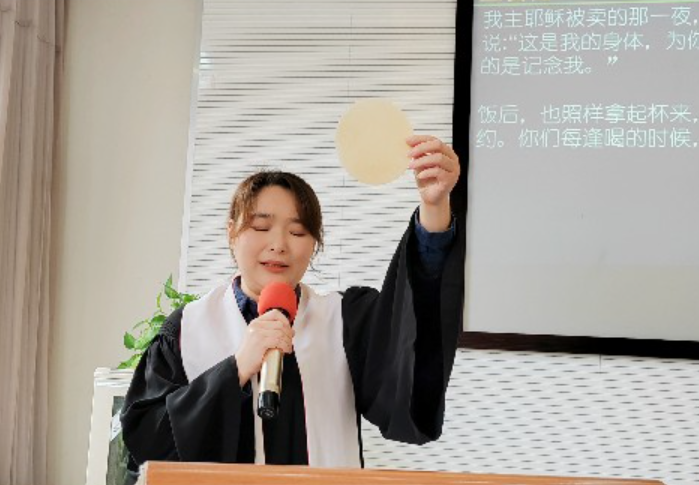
x=149 y=328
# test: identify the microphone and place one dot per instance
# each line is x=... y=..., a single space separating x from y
x=275 y=296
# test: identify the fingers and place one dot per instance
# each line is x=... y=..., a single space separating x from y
x=417 y=139
x=272 y=330
x=429 y=152
x=435 y=173
x=265 y=339
x=434 y=160
x=429 y=145
x=425 y=145
x=269 y=331
x=272 y=339
x=275 y=319
x=437 y=170
x=273 y=316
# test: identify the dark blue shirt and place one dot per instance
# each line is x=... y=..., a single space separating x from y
x=433 y=247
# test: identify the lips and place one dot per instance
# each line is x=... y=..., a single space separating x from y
x=274 y=266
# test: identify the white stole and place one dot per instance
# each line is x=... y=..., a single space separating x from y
x=213 y=329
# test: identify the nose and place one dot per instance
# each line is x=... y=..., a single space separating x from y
x=278 y=242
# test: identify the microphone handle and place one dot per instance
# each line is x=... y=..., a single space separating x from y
x=270 y=384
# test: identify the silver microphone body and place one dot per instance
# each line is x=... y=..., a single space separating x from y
x=270 y=384
x=271 y=373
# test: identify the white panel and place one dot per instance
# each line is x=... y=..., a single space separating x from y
x=596 y=238
x=275 y=77
x=105 y=424
x=559 y=414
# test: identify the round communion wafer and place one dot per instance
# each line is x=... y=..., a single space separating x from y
x=370 y=141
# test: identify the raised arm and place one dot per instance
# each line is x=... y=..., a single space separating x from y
x=437 y=170
x=401 y=342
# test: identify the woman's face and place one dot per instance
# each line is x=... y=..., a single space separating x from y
x=276 y=246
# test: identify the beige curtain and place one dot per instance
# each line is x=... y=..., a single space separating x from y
x=31 y=33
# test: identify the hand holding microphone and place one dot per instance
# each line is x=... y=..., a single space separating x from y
x=268 y=331
x=268 y=336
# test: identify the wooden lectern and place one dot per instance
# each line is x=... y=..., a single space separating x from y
x=171 y=473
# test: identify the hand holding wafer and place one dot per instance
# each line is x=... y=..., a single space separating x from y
x=376 y=145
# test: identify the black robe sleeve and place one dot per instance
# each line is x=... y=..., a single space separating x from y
x=401 y=342
x=166 y=417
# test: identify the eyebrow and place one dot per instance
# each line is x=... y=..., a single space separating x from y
x=264 y=215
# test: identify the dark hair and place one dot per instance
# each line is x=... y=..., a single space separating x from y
x=307 y=205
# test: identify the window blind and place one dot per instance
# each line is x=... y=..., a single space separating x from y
x=274 y=78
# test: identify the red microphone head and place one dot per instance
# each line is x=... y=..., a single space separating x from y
x=279 y=296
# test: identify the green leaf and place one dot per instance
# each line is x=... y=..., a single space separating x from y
x=131 y=362
x=170 y=292
x=129 y=341
x=145 y=339
x=157 y=320
x=184 y=298
x=149 y=328
x=190 y=298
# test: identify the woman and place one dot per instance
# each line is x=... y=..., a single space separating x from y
x=383 y=355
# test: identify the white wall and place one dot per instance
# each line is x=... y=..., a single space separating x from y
x=118 y=194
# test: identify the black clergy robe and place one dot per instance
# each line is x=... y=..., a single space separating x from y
x=166 y=417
